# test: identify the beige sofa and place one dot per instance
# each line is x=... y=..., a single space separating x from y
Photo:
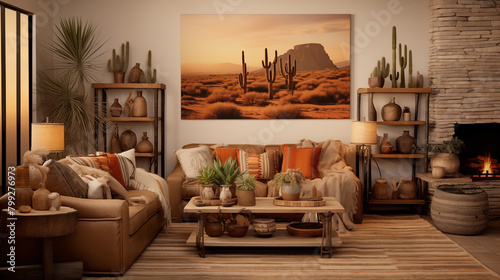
x=110 y=235
x=180 y=190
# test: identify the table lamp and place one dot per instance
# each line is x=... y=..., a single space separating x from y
x=363 y=134
x=48 y=136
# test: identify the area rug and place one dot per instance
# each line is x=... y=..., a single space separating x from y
x=382 y=247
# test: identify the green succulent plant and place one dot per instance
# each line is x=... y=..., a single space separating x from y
x=226 y=172
x=207 y=176
x=245 y=181
x=292 y=176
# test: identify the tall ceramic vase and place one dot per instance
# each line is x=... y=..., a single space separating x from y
x=115 y=109
x=140 y=106
x=372 y=112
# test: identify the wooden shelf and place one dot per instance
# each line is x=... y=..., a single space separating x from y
x=410 y=156
x=146 y=154
x=129 y=86
x=397 y=201
x=131 y=119
x=394 y=90
x=401 y=123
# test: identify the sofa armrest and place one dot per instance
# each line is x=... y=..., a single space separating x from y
x=358 y=217
x=174 y=182
x=98 y=209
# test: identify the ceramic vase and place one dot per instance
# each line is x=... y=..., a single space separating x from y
x=449 y=161
x=129 y=106
x=391 y=111
x=405 y=142
x=128 y=139
x=140 y=106
x=372 y=112
x=407 y=189
x=214 y=229
x=289 y=193
x=225 y=194
x=41 y=199
x=207 y=192
x=135 y=74
x=115 y=109
x=23 y=193
x=385 y=145
x=144 y=146
x=381 y=190
x=115 y=146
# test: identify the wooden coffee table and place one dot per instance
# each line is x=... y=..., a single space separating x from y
x=280 y=238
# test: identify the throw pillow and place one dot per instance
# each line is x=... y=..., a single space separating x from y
x=260 y=165
x=64 y=180
x=97 y=188
x=305 y=159
x=193 y=160
x=225 y=153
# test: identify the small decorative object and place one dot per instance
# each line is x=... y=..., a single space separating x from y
x=289 y=183
x=385 y=145
x=115 y=109
x=226 y=173
x=23 y=193
x=438 y=172
x=55 y=201
x=135 y=74
x=405 y=143
x=115 y=146
x=379 y=73
x=372 y=112
x=420 y=80
x=245 y=189
x=391 y=111
x=149 y=76
x=445 y=155
x=129 y=106
x=144 y=146
x=264 y=227
x=119 y=65
x=214 y=227
x=128 y=139
x=140 y=106
x=381 y=190
x=225 y=195
x=41 y=198
x=238 y=226
x=395 y=75
x=406 y=188
x=25 y=209
x=305 y=229
x=406 y=114
x=207 y=180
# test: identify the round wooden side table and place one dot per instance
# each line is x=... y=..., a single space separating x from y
x=46 y=225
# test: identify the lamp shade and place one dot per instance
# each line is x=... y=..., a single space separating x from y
x=364 y=133
x=48 y=136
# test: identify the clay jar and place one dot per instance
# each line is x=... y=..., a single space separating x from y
x=115 y=109
x=407 y=189
x=391 y=111
x=145 y=146
x=381 y=190
x=449 y=161
x=405 y=142
x=128 y=139
x=385 y=145
x=140 y=108
x=135 y=74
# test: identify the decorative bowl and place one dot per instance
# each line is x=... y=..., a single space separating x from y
x=305 y=229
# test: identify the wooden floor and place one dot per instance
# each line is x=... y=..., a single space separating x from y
x=383 y=247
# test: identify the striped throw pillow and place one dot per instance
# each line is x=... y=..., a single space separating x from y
x=261 y=165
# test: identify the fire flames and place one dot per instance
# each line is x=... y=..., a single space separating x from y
x=486 y=164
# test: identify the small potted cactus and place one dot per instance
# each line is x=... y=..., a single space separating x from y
x=119 y=64
x=379 y=73
x=245 y=189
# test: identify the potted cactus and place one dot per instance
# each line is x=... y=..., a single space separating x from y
x=119 y=64
x=379 y=73
x=245 y=189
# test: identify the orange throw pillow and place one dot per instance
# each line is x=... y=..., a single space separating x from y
x=305 y=159
x=225 y=153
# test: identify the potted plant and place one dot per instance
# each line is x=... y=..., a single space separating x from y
x=245 y=189
x=207 y=180
x=289 y=183
x=225 y=175
x=446 y=155
x=379 y=73
x=119 y=65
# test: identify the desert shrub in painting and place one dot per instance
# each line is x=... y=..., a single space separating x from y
x=254 y=98
x=288 y=111
x=223 y=111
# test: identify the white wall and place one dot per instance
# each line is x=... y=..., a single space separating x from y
x=155 y=25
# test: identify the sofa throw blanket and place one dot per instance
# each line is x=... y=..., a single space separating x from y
x=337 y=180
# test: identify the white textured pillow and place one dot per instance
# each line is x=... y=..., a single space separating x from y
x=194 y=159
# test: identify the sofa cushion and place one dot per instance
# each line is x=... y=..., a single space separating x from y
x=263 y=165
x=64 y=180
x=305 y=159
x=139 y=213
x=192 y=160
x=224 y=153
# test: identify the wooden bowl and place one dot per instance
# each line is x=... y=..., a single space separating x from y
x=305 y=229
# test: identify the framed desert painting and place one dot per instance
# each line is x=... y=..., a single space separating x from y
x=265 y=66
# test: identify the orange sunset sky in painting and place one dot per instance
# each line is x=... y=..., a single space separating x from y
x=209 y=39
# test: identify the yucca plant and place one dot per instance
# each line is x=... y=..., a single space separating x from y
x=76 y=47
x=227 y=171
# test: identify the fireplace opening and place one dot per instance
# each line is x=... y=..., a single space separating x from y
x=481 y=157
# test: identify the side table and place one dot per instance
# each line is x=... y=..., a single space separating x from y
x=46 y=225
x=428 y=184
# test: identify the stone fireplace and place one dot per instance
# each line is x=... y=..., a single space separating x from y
x=464 y=73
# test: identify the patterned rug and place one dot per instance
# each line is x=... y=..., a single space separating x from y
x=383 y=247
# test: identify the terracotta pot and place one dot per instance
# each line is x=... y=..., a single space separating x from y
x=41 y=199
x=449 y=161
x=289 y=193
x=214 y=229
x=140 y=108
x=374 y=82
x=119 y=77
x=115 y=109
x=128 y=139
x=381 y=190
x=391 y=111
x=405 y=142
x=407 y=189
x=145 y=146
x=237 y=231
x=385 y=145
x=135 y=74
x=245 y=198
